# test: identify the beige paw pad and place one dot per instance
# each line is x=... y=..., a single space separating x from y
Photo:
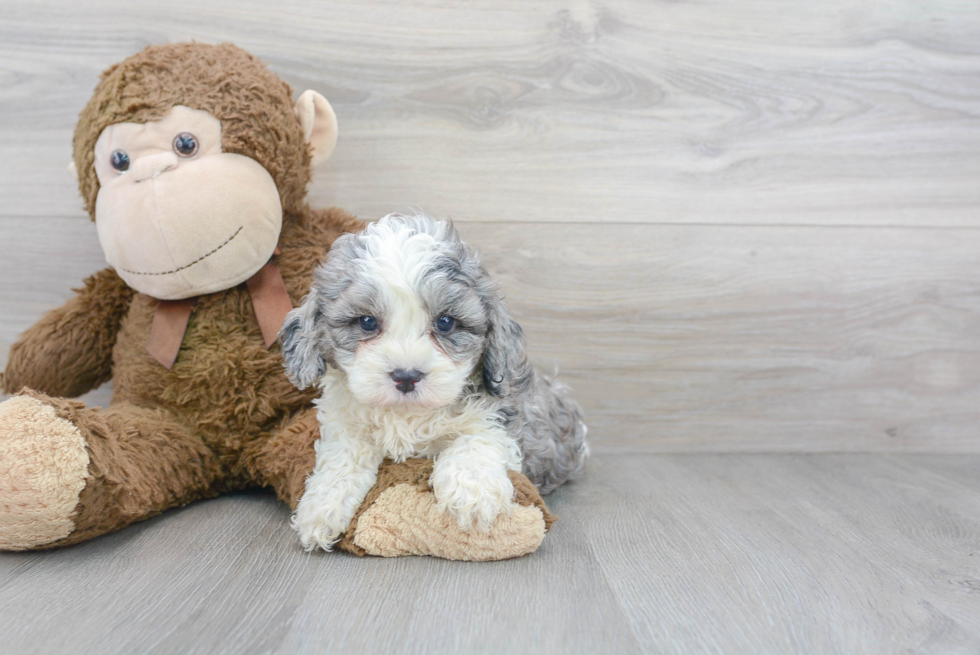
x=43 y=467
x=404 y=520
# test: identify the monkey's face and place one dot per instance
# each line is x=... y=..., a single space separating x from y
x=176 y=216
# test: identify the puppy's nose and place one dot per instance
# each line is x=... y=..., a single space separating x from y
x=405 y=380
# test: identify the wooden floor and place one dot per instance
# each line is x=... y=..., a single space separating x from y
x=684 y=554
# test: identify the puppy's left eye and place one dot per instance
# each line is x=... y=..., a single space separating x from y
x=368 y=323
x=445 y=324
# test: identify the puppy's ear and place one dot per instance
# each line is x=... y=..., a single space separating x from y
x=305 y=344
x=505 y=366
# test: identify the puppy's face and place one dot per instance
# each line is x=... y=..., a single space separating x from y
x=408 y=329
x=403 y=308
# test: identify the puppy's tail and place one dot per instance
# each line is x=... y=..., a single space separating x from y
x=554 y=446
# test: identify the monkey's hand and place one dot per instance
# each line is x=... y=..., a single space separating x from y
x=69 y=351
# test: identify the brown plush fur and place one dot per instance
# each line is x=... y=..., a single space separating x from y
x=225 y=416
x=88 y=323
x=254 y=106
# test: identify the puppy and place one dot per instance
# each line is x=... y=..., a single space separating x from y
x=412 y=345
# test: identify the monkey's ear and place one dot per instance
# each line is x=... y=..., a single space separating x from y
x=319 y=124
x=73 y=170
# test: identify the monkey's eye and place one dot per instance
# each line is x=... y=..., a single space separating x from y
x=185 y=145
x=368 y=323
x=445 y=324
x=120 y=160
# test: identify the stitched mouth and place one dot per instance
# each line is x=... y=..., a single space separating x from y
x=199 y=259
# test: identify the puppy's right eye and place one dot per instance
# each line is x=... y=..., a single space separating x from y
x=368 y=323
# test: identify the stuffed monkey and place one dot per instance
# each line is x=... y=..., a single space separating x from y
x=193 y=162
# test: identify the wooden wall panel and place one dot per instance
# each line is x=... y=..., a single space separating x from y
x=698 y=337
x=832 y=113
x=707 y=337
x=733 y=226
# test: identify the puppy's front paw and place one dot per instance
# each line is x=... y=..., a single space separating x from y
x=473 y=496
x=319 y=526
x=324 y=513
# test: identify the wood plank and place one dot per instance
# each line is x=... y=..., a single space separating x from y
x=653 y=553
x=938 y=549
x=827 y=113
x=158 y=576
x=229 y=576
x=787 y=554
x=555 y=601
x=681 y=338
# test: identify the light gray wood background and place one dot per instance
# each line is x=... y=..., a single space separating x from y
x=732 y=226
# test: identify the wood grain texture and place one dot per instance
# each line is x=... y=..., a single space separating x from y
x=830 y=113
x=654 y=553
x=706 y=338
x=732 y=227
x=751 y=338
x=792 y=554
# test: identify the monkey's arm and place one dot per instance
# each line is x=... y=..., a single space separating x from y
x=69 y=351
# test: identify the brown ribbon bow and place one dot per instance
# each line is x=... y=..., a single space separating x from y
x=269 y=299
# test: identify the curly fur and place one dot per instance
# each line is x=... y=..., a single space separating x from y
x=479 y=408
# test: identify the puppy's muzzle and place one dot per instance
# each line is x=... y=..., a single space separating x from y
x=405 y=380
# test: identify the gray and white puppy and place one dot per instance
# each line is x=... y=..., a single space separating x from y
x=416 y=354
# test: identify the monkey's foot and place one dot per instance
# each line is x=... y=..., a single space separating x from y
x=400 y=517
x=43 y=469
